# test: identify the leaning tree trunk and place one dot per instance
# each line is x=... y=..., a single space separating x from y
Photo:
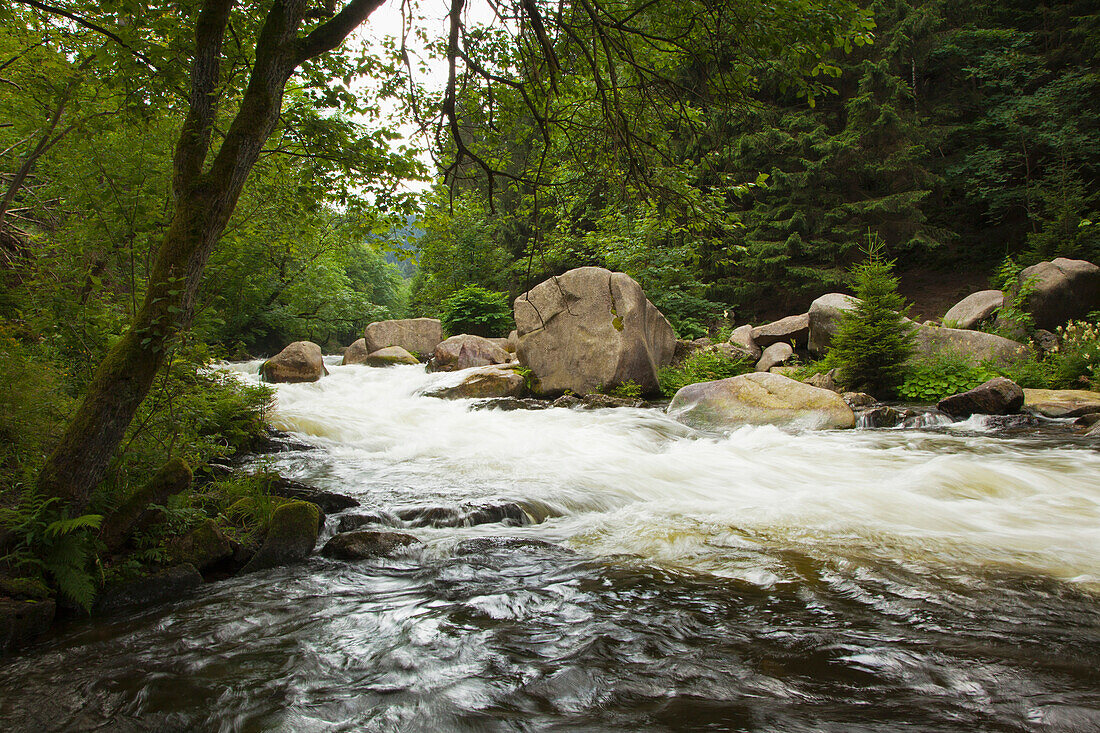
x=205 y=199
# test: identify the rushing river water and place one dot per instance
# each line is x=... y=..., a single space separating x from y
x=944 y=579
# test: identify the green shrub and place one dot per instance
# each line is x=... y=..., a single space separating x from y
x=930 y=380
x=1075 y=362
x=1013 y=321
x=873 y=342
x=629 y=390
x=477 y=311
x=702 y=366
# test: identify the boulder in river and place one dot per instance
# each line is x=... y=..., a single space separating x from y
x=591 y=329
x=974 y=309
x=365 y=544
x=390 y=356
x=483 y=383
x=1058 y=291
x=792 y=329
x=742 y=339
x=998 y=396
x=202 y=547
x=760 y=398
x=419 y=336
x=291 y=535
x=1061 y=402
x=356 y=353
x=465 y=351
x=932 y=341
x=824 y=316
x=775 y=355
x=299 y=362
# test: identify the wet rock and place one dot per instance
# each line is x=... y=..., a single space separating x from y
x=484 y=382
x=791 y=330
x=824 y=316
x=591 y=328
x=352 y=522
x=1010 y=422
x=162 y=586
x=1088 y=419
x=301 y=361
x=931 y=341
x=508 y=513
x=999 y=396
x=356 y=353
x=328 y=501
x=566 y=400
x=362 y=545
x=465 y=351
x=487 y=545
x=974 y=309
x=507 y=404
x=275 y=441
x=759 y=398
x=390 y=356
x=291 y=535
x=883 y=416
x=858 y=400
x=202 y=547
x=1094 y=431
x=418 y=336
x=138 y=511
x=1061 y=402
x=23 y=621
x=742 y=338
x=775 y=355
x=1058 y=291
x=596 y=401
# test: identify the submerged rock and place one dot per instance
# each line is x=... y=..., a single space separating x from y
x=508 y=513
x=486 y=545
x=591 y=328
x=484 y=382
x=760 y=398
x=301 y=361
x=361 y=545
x=999 y=396
x=507 y=404
x=162 y=586
x=291 y=535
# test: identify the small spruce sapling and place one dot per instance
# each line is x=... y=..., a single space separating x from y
x=874 y=339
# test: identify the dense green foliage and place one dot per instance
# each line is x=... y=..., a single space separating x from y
x=933 y=379
x=874 y=340
x=701 y=366
x=477 y=311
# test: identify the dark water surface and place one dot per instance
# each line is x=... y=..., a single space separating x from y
x=872 y=581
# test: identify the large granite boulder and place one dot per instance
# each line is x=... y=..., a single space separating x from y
x=590 y=329
x=291 y=535
x=1059 y=291
x=760 y=398
x=465 y=351
x=973 y=309
x=417 y=335
x=356 y=353
x=390 y=356
x=742 y=339
x=999 y=396
x=775 y=355
x=931 y=341
x=824 y=316
x=1061 y=402
x=299 y=362
x=792 y=329
x=484 y=382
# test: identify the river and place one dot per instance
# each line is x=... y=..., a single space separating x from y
x=936 y=579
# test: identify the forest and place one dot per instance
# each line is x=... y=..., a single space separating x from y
x=207 y=180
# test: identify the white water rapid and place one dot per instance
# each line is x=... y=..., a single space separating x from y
x=630 y=482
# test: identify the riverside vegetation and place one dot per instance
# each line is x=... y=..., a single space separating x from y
x=731 y=172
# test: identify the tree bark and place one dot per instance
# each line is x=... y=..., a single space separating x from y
x=205 y=199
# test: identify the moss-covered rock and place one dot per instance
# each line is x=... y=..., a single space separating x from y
x=162 y=586
x=202 y=547
x=24 y=588
x=290 y=536
x=172 y=478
